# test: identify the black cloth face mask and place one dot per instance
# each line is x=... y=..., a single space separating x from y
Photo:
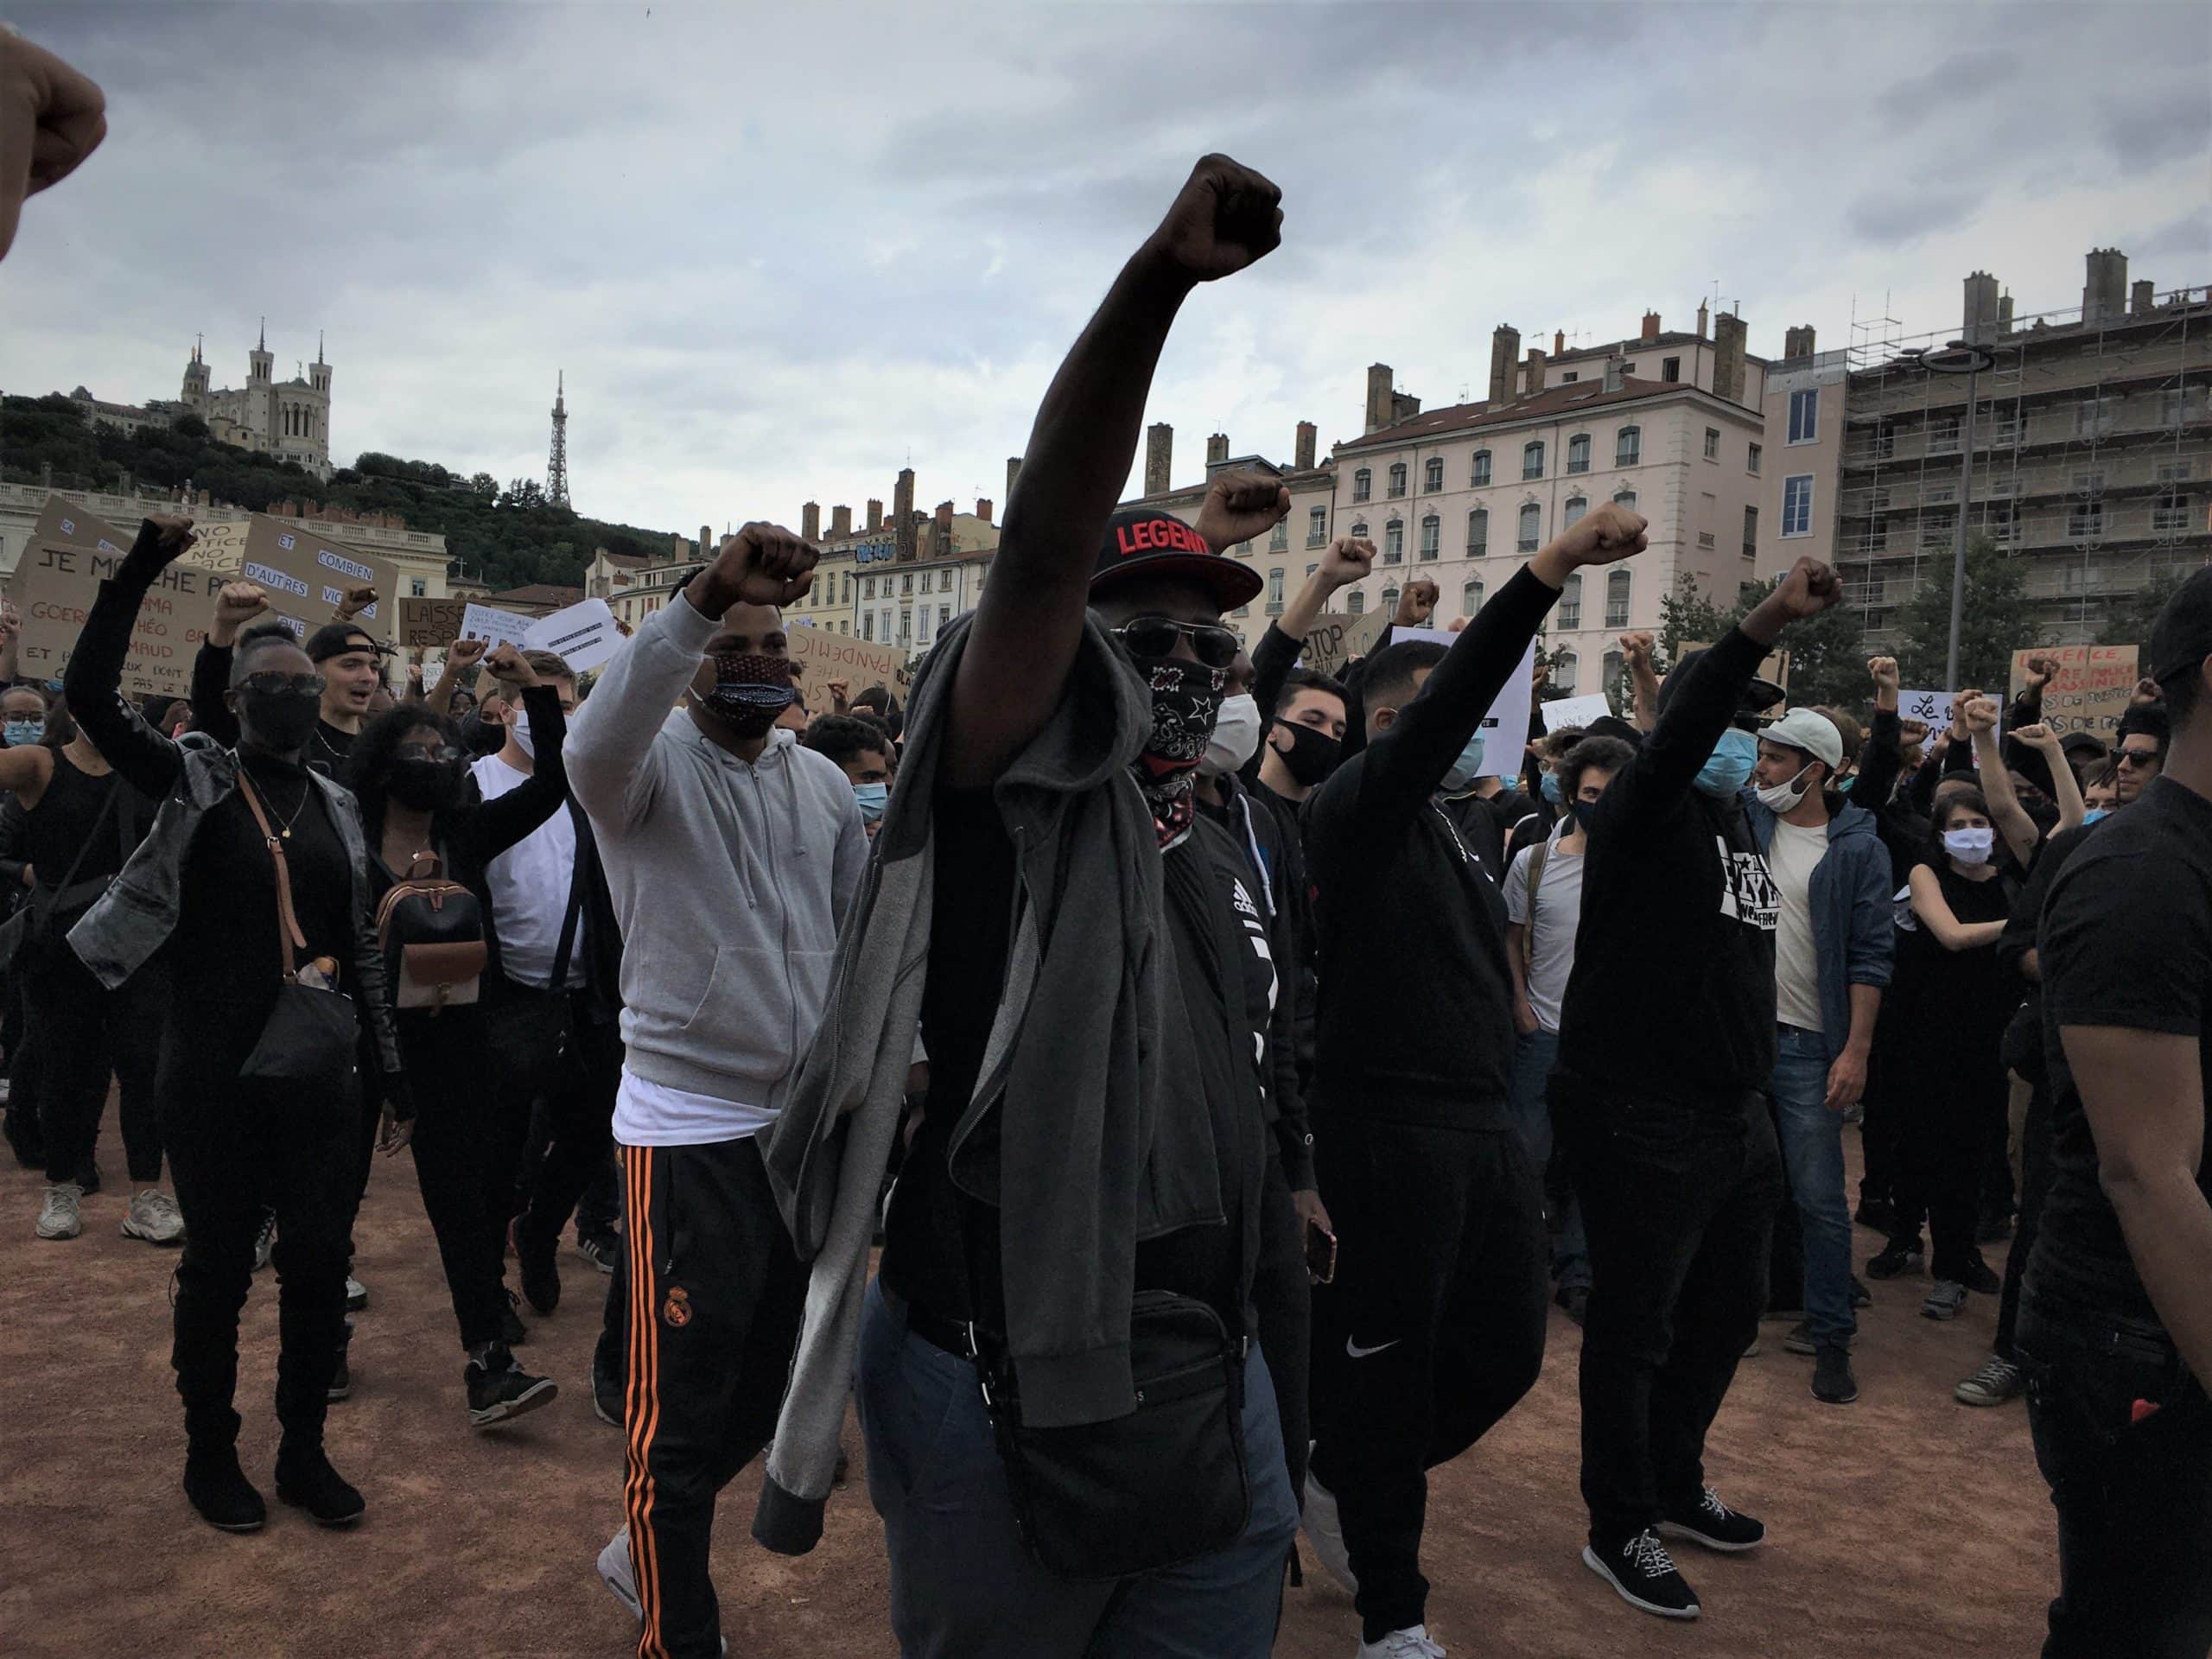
x=426 y=785
x=1313 y=754
x=279 y=721
x=1185 y=700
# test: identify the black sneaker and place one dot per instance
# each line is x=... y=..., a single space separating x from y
x=606 y=1398
x=1980 y=1277
x=1716 y=1526
x=1800 y=1340
x=1896 y=1261
x=342 y=1380
x=221 y=1493
x=1832 y=1382
x=513 y=1331
x=1860 y=1296
x=499 y=1390
x=539 y=1271
x=600 y=1249
x=308 y=1481
x=1643 y=1572
x=1575 y=1299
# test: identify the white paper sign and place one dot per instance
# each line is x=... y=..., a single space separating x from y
x=1934 y=708
x=583 y=636
x=1505 y=727
x=495 y=627
x=1562 y=712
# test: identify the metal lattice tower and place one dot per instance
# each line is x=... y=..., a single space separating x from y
x=556 y=464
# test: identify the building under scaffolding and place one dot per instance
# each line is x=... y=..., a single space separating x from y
x=2091 y=448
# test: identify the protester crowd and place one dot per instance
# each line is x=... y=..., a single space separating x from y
x=1231 y=1061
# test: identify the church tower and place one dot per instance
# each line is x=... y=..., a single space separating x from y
x=195 y=379
x=261 y=388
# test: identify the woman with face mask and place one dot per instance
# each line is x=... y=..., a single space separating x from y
x=418 y=804
x=1942 y=1033
x=249 y=921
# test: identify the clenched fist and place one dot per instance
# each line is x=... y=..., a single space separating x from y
x=50 y=119
x=1605 y=534
x=1240 y=507
x=1226 y=217
x=1348 y=559
x=762 y=564
x=1809 y=588
x=237 y=603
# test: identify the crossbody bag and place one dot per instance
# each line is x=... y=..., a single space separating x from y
x=309 y=1038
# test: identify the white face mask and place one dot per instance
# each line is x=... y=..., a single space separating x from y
x=1235 y=737
x=1970 y=846
x=519 y=730
x=1785 y=797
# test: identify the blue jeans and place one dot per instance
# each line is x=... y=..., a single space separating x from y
x=962 y=1584
x=1530 y=1105
x=1812 y=1153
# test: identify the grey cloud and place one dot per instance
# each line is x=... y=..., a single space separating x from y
x=1902 y=217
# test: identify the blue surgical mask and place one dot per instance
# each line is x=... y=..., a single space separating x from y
x=1549 y=788
x=2090 y=816
x=23 y=733
x=1729 y=767
x=873 y=798
x=1466 y=768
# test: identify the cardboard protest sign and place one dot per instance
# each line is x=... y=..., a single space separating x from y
x=1337 y=638
x=1563 y=712
x=2089 y=692
x=221 y=546
x=306 y=574
x=1505 y=727
x=819 y=657
x=428 y=624
x=71 y=526
x=1776 y=668
x=495 y=627
x=53 y=588
x=583 y=636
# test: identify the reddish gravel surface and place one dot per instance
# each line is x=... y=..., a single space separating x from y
x=1904 y=1525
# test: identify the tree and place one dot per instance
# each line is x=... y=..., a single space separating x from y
x=1828 y=653
x=191 y=426
x=1687 y=617
x=2128 y=622
x=1998 y=620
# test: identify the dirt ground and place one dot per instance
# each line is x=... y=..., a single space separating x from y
x=1904 y=1525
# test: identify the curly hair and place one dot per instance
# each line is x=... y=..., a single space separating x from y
x=376 y=750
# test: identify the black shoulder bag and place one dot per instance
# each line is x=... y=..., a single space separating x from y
x=308 y=1039
x=51 y=911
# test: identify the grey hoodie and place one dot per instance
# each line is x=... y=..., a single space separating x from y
x=729 y=880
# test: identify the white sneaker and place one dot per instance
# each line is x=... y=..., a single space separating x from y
x=153 y=1217
x=615 y=1570
x=1402 y=1644
x=265 y=1240
x=1325 y=1532
x=57 y=1217
x=357 y=1295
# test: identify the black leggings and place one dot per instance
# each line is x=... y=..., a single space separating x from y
x=468 y=1136
x=86 y=1034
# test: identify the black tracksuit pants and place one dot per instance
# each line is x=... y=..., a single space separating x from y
x=1283 y=1296
x=576 y=1107
x=715 y=1295
x=468 y=1140
x=1678 y=1201
x=90 y=1034
x=1433 y=1330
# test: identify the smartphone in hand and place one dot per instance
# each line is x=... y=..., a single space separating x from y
x=1320 y=1254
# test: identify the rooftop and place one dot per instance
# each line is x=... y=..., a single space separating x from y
x=1550 y=404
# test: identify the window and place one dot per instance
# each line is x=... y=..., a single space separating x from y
x=905 y=626
x=1568 y=611
x=1478 y=473
x=1312 y=570
x=1615 y=665
x=1939 y=529
x=1707 y=538
x=1798 y=505
x=1362 y=484
x=2085 y=520
x=1713 y=443
x=417 y=587
x=944 y=582
x=2001 y=520
x=1397 y=478
x=2170 y=513
x=1359 y=528
x=1944 y=436
x=1275 y=592
x=2172 y=471
x=1317 y=526
x=1478 y=533
x=1470 y=597
x=867 y=587
x=1532 y=524
x=1576 y=506
x=944 y=616
x=1394 y=543
x=848 y=599
x=1566 y=667
x=1628 y=448
x=1617 y=587
x=867 y=626
x=2089 y=483
x=2091 y=416
x=1578 y=452
x=1751 y=461
x=1670 y=368
x=1242 y=610
x=1432 y=536
x=1750 y=532
x=1624 y=499
x=1532 y=458
x=1431 y=473
x=1241 y=550
x=1280 y=541
x=1390 y=599
x=906 y=583
x=1569 y=377
x=1805 y=415
x=1358 y=602
x=2169 y=406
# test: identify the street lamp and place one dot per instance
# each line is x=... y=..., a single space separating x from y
x=1960 y=357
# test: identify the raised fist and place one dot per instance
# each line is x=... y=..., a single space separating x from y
x=1348 y=559
x=762 y=564
x=1809 y=588
x=1605 y=534
x=1226 y=217
x=2147 y=691
x=11 y=619
x=2039 y=670
x=51 y=117
x=1884 y=672
x=1978 y=715
x=2038 y=737
x=1240 y=507
x=1416 y=604
x=174 y=536
x=359 y=598
x=1638 y=646
x=463 y=655
x=237 y=603
x=510 y=666
x=841 y=696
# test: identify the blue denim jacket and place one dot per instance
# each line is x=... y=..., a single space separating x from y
x=1853 y=929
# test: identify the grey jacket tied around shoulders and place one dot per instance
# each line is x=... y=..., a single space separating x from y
x=1085 y=1166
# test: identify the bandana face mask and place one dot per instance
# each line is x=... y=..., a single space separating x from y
x=1186 y=701
x=750 y=691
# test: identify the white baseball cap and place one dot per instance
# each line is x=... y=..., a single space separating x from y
x=1810 y=730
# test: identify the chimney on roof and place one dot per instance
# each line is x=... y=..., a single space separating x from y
x=874 y=514
x=983 y=505
x=810 y=522
x=1308 y=437
x=902 y=514
x=1797 y=342
x=1216 y=449
x=1504 y=350
x=706 y=541
x=1379 y=403
x=1558 y=342
x=2104 y=295
x=840 y=522
x=1012 y=472
x=1728 y=357
x=1978 y=317
x=1613 y=372
x=2004 y=314
x=1533 y=381
x=1650 y=325
x=2142 y=298
x=941 y=531
x=1703 y=317
x=1159 y=458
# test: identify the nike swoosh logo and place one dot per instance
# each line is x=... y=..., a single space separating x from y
x=1359 y=1353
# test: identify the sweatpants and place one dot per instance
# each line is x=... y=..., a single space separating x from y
x=715 y=1297
x=467 y=1138
x=1680 y=1201
x=91 y=1033
x=1953 y=1121
x=577 y=1109
x=1433 y=1330
x=1283 y=1296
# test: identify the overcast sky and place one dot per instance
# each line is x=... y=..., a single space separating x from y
x=780 y=256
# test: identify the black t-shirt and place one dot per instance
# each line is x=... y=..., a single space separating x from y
x=61 y=827
x=330 y=752
x=2125 y=940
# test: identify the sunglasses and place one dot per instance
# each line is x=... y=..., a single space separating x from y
x=1153 y=637
x=2136 y=757
x=441 y=753
x=273 y=684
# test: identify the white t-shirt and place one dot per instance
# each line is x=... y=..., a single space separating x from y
x=1791 y=860
x=529 y=887
x=1559 y=912
x=655 y=1114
